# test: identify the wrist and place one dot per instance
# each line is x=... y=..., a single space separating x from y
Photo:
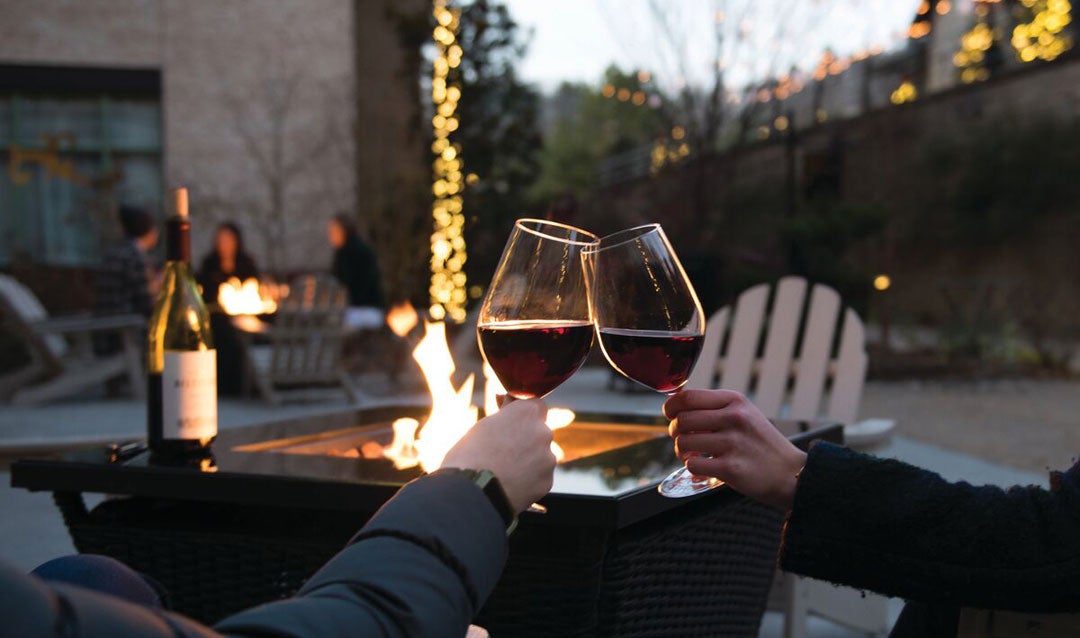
x=793 y=467
x=489 y=484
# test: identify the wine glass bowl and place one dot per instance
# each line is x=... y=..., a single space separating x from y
x=648 y=318
x=534 y=326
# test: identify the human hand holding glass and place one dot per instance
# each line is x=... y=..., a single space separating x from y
x=649 y=320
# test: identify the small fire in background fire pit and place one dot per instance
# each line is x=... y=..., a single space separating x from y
x=248 y=297
x=452 y=412
x=402 y=318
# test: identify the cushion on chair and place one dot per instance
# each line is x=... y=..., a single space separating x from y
x=28 y=308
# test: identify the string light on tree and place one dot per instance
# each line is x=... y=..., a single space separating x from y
x=448 y=282
x=974 y=48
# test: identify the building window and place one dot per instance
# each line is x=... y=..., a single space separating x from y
x=73 y=144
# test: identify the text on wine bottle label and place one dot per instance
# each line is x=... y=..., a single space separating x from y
x=189 y=395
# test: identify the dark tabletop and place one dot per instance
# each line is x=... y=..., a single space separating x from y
x=254 y=466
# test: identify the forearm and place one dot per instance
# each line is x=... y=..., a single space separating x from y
x=422 y=566
x=902 y=531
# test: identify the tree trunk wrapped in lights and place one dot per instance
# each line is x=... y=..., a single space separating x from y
x=448 y=280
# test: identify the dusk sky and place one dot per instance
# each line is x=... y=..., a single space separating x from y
x=577 y=39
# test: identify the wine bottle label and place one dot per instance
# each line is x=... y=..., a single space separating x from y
x=189 y=395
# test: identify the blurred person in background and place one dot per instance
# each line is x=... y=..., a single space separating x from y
x=356 y=267
x=227 y=259
x=889 y=527
x=126 y=281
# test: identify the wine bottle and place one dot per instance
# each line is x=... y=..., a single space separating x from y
x=182 y=362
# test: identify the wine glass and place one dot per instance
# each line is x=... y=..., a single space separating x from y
x=534 y=326
x=648 y=319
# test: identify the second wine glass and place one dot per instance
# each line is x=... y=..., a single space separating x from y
x=534 y=327
x=649 y=320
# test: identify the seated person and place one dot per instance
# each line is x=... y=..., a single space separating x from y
x=356 y=267
x=227 y=259
x=422 y=566
x=126 y=283
x=889 y=527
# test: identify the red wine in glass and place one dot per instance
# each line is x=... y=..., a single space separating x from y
x=649 y=319
x=534 y=327
x=532 y=358
x=657 y=359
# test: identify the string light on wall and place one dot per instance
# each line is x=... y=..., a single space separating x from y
x=670 y=150
x=904 y=93
x=639 y=95
x=448 y=282
x=1044 y=38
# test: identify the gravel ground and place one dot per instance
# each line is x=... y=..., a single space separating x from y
x=1032 y=425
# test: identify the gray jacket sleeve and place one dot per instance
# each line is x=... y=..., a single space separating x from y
x=422 y=566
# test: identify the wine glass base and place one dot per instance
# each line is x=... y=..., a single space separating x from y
x=681 y=483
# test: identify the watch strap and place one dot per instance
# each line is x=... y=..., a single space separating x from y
x=492 y=488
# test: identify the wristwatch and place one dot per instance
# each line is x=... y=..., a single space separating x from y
x=493 y=490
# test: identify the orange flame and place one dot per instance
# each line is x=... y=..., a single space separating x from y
x=402 y=318
x=452 y=413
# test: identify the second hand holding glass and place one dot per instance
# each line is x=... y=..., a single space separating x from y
x=649 y=320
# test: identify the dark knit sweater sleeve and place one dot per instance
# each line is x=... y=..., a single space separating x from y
x=892 y=528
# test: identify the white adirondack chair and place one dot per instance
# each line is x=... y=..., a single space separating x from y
x=763 y=358
x=61 y=360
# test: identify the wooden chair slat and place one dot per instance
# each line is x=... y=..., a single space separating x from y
x=776 y=366
x=814 y=355
x=850 y=371
x=742 y=345
x=704 y=373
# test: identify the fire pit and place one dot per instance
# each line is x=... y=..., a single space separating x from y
x=610 y=558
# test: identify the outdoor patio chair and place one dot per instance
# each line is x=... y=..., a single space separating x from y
x=62 y=361
x=302 y=361
x=784 y=359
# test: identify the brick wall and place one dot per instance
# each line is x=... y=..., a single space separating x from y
x=263 y=103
